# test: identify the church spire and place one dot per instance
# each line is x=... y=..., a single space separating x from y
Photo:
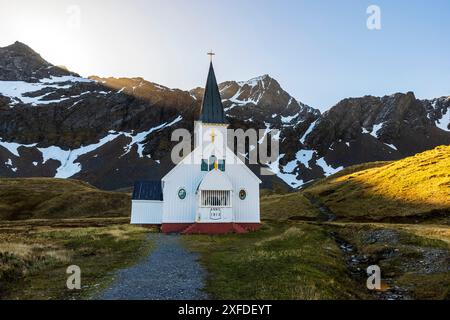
x=212 y=108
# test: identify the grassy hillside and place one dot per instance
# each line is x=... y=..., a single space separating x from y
x=287 y=206
x=416 y=187
x=48 y=198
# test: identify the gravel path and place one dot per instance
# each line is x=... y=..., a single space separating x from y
x=169 y=272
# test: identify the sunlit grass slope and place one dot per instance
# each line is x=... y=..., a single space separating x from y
x=48 y=198
x=415 y=186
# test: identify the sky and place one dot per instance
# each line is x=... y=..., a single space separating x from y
x=320 y=51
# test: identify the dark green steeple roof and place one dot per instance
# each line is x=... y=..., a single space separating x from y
x=212 y=108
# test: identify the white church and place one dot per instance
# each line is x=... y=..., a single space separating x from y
x=210 y=191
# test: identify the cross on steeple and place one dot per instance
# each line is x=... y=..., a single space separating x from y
x=213 y=136
x=211 y=54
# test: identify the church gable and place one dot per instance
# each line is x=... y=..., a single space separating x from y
x=236 y=160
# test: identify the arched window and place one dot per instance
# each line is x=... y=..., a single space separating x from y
x=212 y=160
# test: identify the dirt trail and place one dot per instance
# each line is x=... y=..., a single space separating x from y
x=169 y=272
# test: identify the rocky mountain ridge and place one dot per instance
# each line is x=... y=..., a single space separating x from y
x=113 y=131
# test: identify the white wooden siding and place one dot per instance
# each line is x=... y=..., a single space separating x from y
x=246 y=210
x=176 y=210
x=146 y=212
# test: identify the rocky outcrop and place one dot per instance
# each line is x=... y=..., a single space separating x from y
x=20 y=62
x=371 y=128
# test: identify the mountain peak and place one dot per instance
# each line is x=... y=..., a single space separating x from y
x=20 y=47
x=256 y=80
x=19 y=62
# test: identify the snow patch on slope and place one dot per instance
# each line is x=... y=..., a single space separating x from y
x=139 y=138
x=444 y=122
x=253 y=82
x=310 y=129
x=9 y=164
x=302 y=156
x=288 y=119
x=375 y=130
x=391 y=146
x=289 y=178
x=16 y=90
x=67 y=158
x=327 y=169
x=13 y=147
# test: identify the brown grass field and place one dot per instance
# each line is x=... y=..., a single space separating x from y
x=34 y=255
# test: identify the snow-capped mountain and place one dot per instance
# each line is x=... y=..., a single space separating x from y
x=113 y=131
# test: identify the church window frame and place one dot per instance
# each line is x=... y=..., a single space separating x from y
x=182 y=193
x=221 y=164
x=204 y=166
x=242 y=194
x=215 y=199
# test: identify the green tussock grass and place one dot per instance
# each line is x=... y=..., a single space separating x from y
x=281 y=261
x=287 y=206
x=47 y=198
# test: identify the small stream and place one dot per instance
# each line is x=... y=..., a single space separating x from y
x=356 y=262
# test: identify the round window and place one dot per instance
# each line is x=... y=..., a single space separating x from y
x=182 y=194
x=242 y=194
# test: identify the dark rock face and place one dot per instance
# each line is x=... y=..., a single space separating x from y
x=371 y=128
x=113 y=131
x=20 y=62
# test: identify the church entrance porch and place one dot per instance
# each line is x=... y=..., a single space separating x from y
x=215 y=206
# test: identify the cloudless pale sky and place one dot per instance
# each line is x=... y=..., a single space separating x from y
x=320 y=51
